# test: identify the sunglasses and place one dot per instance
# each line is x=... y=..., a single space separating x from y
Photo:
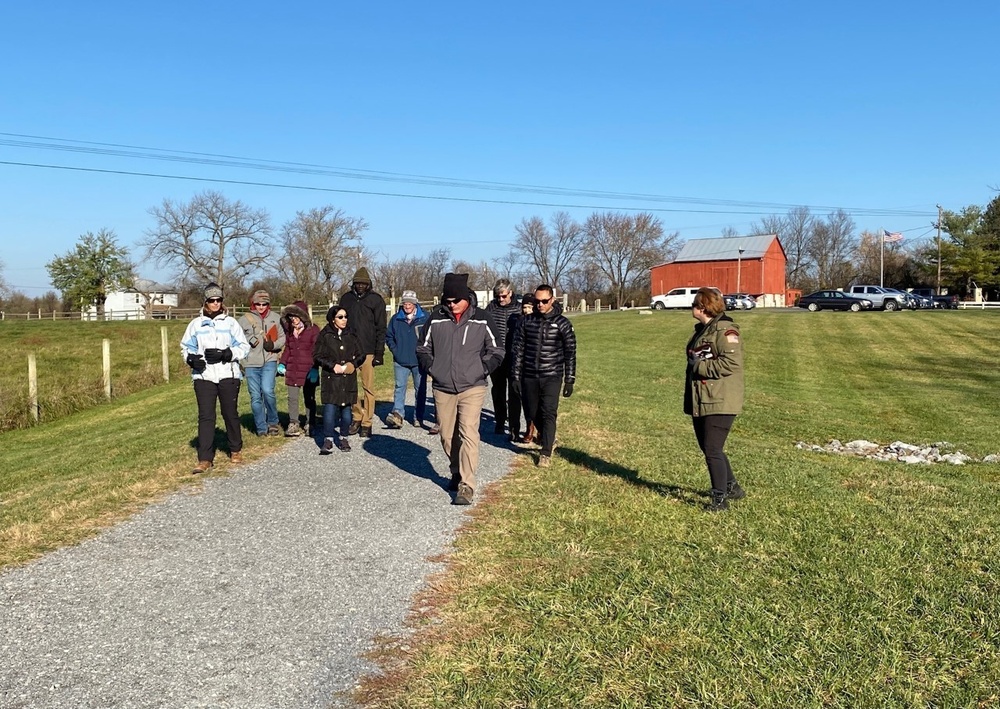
x=213 y=300
x=259 y=305
x=340 y=317
x=544 y=301
x=451 y=301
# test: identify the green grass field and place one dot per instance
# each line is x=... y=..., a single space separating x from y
x=601 y=581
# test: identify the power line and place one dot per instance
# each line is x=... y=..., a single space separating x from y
x=388 y=194
x=221 y=160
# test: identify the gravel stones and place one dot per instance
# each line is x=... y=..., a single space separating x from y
x=898 y=451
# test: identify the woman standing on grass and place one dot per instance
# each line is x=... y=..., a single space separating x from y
x=212 y=346
x=713 y=391
x=339 y=353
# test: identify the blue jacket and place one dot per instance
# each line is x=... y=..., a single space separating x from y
x=401 y=336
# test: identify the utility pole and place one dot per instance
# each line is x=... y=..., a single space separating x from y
x=739 y=264
x=939 y=249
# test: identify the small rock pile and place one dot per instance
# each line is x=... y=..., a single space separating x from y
x=898 y=451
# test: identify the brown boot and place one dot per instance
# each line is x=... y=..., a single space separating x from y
x=203 y=467
x=236 y=458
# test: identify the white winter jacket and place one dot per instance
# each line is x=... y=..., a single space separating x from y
x=219 y=332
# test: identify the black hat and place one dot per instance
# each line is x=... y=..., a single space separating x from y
x=456 y=285
x=528 y=299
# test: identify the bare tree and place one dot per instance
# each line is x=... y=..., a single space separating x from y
x=322 y=250
x=831 y=247
x=551 y=250
x=872 y=261
x=433 y=268
x=210 y=239
x=794 y=231
x=625 y=246
x=586 y=281
x=730 y=231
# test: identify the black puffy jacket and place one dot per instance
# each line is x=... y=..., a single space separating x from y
x=500 y=315
x=544 y=346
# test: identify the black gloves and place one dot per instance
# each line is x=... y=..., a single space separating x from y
x=269 y=345
x=214 y=356
x=568 y=389
x=377 y=360
x=196 y=362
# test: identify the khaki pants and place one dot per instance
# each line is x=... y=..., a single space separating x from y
x=458 y=415
x=363 y=410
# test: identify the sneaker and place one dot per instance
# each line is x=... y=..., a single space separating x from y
x=464 y=495
x=544 y=461
x=203 y=467
x=735 y=492
x=274 y=430
x=344 y=445
x=354 y=428
x=366 y=432
x=719 y=502
x=327 y=447
x=293 y=430
x=394 y=420
x=236 y=458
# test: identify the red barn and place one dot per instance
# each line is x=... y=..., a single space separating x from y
x=733 y=264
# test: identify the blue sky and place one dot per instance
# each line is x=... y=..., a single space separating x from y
x=887 y=108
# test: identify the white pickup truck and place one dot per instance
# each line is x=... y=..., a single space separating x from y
x=676 y=298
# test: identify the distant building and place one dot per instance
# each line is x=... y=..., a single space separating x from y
x=733 y=264
x=147 y=299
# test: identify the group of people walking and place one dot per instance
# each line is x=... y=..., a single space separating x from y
x=524 y=346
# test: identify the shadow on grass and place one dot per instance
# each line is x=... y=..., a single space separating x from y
x=603 y=467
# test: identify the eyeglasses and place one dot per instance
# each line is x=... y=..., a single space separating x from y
x=544 y=301
x=340 y=317
x=213 y=300
x=504 y=296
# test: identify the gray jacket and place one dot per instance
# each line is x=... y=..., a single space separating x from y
x=256 y=331
x=459 y=355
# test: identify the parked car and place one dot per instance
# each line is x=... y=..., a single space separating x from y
x=881 y=298
x=741 y=301
x=923 y=302
x=908 y=300
x=833 y=300
x=676 y=298
x=940 y=301
x=730 y=301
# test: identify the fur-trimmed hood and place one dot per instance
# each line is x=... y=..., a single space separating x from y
x=300 y=309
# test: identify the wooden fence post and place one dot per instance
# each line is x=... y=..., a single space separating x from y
x=166 y=357
x=33 y=386
x=107 y=368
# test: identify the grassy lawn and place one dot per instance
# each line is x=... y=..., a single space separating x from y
x=843 y=582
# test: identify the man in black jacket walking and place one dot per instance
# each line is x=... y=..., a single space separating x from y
x=459 y=349
x=543 y=360
x=506 y=404
x=366 y=315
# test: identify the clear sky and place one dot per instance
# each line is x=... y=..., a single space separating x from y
x=720 y=112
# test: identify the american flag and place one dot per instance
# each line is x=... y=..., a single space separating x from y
x=891 y=236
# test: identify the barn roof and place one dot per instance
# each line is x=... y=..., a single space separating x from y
x=725 y=248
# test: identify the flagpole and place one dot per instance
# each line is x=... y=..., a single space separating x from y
x=881 y=258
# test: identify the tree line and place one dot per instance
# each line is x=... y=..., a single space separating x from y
x=609 y=255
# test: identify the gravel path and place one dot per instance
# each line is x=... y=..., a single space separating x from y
x=261 y=590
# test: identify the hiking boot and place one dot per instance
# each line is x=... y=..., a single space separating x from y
x=366 y=432
x=354 y=428
x=327 y=447
x=293 y=430
x=464 y=495
x=236 y=458
x=718 y=503
x=203 y=467
x=544 y=461
x=274 y=430
x=734 y=491
x=394 y=420
x=344 y=445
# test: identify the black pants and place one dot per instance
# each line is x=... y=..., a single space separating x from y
x=712 y=432
x=506 y=403
x=541 y=404
x=227 y=393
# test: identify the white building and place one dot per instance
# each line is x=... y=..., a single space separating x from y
x=146 y=299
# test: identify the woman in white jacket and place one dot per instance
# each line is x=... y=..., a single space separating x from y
x=212 y=346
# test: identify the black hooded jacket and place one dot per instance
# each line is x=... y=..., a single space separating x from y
x=544 y=346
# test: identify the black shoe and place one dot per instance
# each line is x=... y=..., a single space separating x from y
x=344 y=445
x=718 y=503
x=464 y=495
x=734 y=491
x=327 y=447
x=354 y=429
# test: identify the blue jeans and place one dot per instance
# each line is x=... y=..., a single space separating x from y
x=402 y=374
x=263 y=403
x=331 y=415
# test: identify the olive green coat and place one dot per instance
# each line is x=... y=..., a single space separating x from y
x=714 y=381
